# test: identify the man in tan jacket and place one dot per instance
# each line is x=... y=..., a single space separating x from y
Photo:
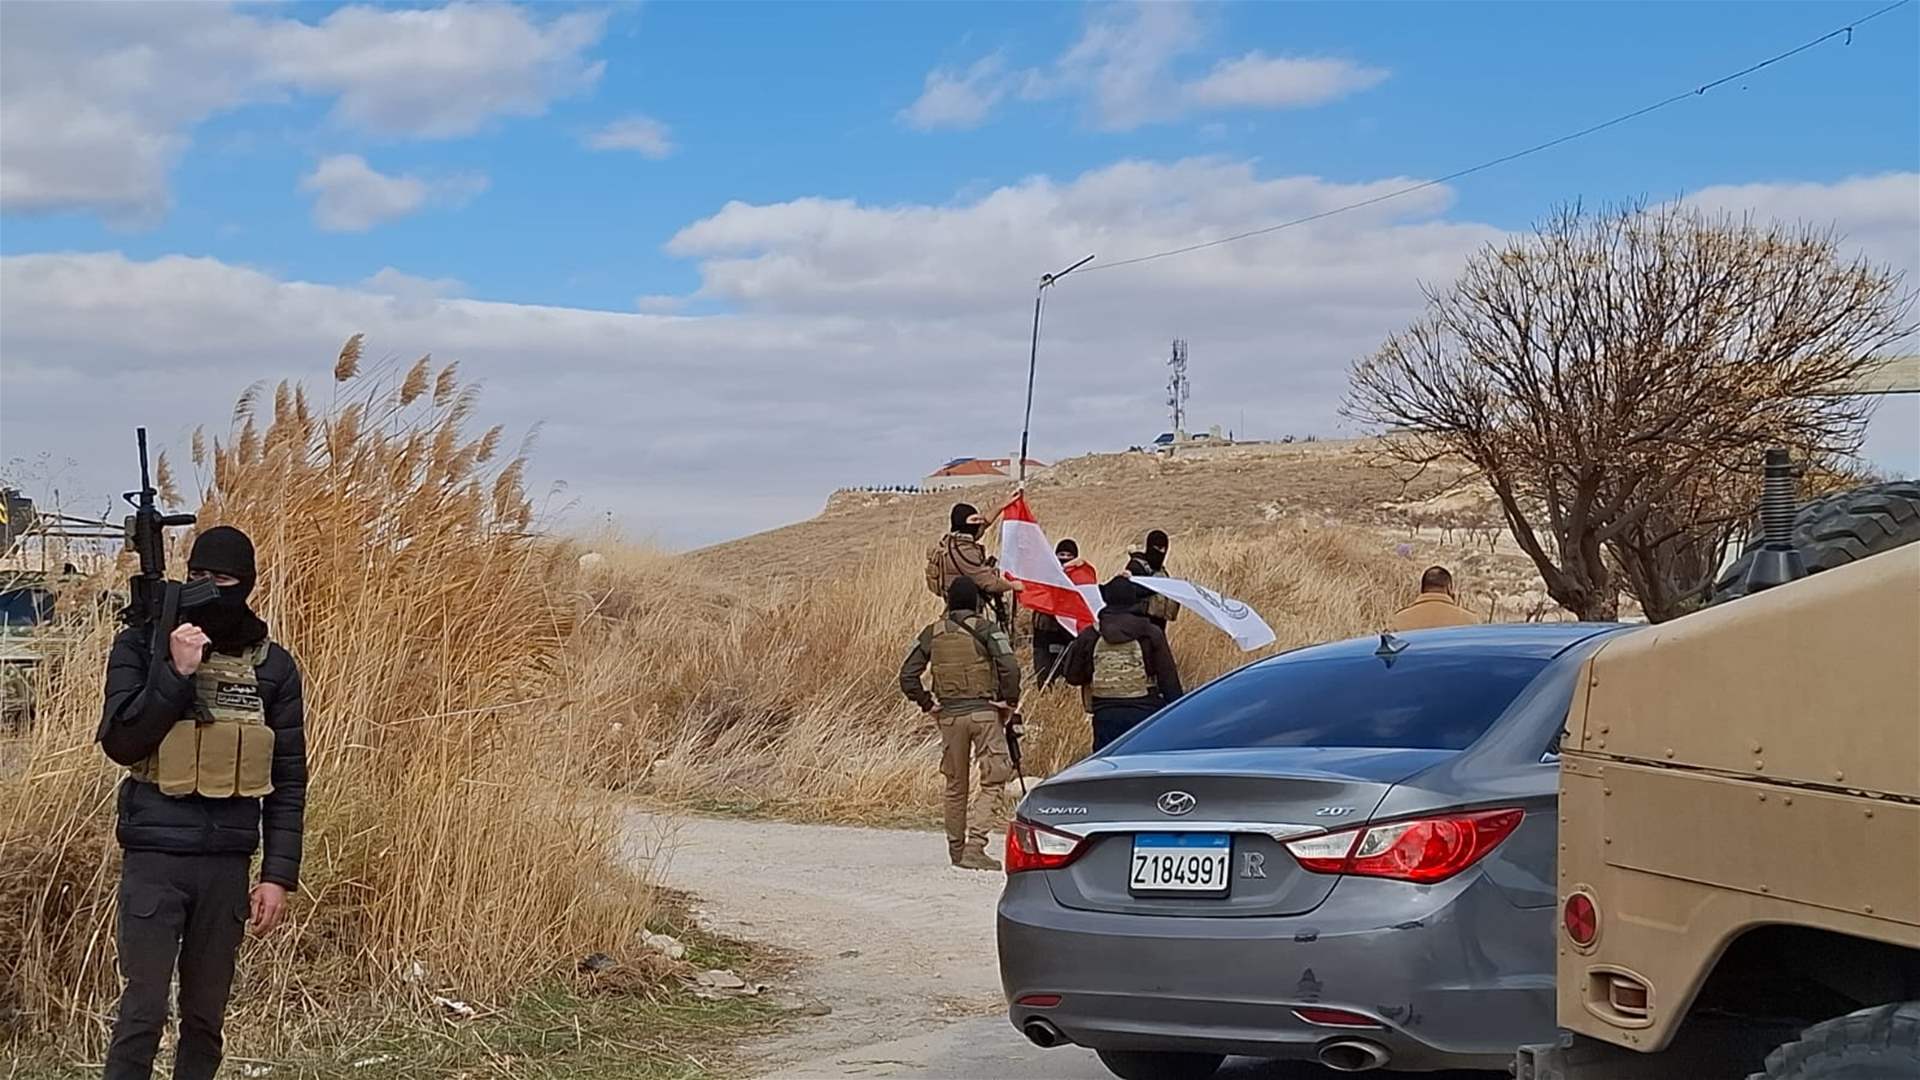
x=960 y=554
x=1434 y=607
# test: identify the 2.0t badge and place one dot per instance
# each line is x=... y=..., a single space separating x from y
x=1175 y=803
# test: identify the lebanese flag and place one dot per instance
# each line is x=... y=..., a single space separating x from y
x=1026 y=556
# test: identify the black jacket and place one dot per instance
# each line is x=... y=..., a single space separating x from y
x=1140 y=564
x=145 y=696
x=1048 y=632
x=1118 y=627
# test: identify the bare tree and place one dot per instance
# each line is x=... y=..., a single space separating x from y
x=1609 y=374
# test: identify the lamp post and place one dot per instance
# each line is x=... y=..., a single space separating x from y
x=1033 y=357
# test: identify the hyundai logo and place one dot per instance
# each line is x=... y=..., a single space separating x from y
x=1175 y=803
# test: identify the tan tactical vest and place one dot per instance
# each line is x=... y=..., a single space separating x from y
x=962 y=667
x=1119 y=671
x=1162 y=607
x=225 y=749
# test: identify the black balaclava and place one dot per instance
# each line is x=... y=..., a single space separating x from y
x=963 y=595
x=1157 y=550
x=957 y=519
x=229 y=623
x=1067 y=549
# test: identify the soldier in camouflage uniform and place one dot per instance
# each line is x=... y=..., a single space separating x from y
x=1122 y=663
x=975 y=676
x=960 y=554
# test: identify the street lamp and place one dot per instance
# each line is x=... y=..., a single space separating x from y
x=1033 y=357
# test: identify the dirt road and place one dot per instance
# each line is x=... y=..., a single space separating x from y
x=896 y=942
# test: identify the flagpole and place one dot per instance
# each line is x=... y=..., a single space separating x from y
x=1033 y=358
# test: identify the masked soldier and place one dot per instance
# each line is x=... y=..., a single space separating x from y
x=1050 y=639
x=1123 y=664
x=209 y=727
x=975 y=676
x=960 y=554
x=1151 y=561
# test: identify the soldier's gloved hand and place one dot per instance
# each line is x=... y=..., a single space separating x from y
x=186 y=647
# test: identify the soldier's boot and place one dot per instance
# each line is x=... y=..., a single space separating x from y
x=975 y=857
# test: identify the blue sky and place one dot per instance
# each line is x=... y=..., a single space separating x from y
x=327 y=146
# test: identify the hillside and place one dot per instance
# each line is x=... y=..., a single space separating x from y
x=1230 y=489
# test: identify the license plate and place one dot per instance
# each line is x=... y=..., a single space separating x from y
x=1180 y=862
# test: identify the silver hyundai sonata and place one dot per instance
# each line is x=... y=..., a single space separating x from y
x=1343 y=853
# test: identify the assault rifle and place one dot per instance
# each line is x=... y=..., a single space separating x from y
x=154 y=601
x=1015 y=726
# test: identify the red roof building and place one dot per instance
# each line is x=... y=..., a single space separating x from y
x=961 y=472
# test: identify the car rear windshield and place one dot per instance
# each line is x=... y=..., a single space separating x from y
x=1437 y=702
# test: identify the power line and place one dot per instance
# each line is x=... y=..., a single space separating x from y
x=1503 y=159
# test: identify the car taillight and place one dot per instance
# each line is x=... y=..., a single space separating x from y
x=1424 y=850
x=1036 y=847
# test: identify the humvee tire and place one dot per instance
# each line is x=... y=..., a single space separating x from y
x=1840 y=528
x=1881 y=1043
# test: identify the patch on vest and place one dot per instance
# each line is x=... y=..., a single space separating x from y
x=237 y=695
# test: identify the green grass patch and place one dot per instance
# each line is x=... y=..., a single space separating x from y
x=559 y=1033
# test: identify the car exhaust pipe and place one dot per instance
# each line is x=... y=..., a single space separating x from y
x=1353 y=1055
x=1042 y=1034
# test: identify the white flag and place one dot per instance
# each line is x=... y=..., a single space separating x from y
x=1243 y=624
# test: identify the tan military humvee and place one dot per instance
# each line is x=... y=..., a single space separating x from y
x=1740 y=831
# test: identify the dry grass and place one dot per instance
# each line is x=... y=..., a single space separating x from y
x=781 y=696
x=451 y=841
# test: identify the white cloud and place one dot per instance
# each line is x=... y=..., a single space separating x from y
x=1122 y=63
x=436 y=72
x=390 y=282
x=905 y=324
x=351 y=196
x=659 y=304
x=98 y=101
x=1123 y=68
x=958 y=99
x=1257 y=80
x=1878 y=215
x=642 y=134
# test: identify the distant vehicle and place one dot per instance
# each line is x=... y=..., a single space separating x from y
x=1165 y=438
x=1343 y=853
x=26 y=630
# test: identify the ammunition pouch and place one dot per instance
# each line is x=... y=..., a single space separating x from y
x=1164 y=608
x=225 y=749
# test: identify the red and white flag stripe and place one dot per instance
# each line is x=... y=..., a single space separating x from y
x=1026 y=555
